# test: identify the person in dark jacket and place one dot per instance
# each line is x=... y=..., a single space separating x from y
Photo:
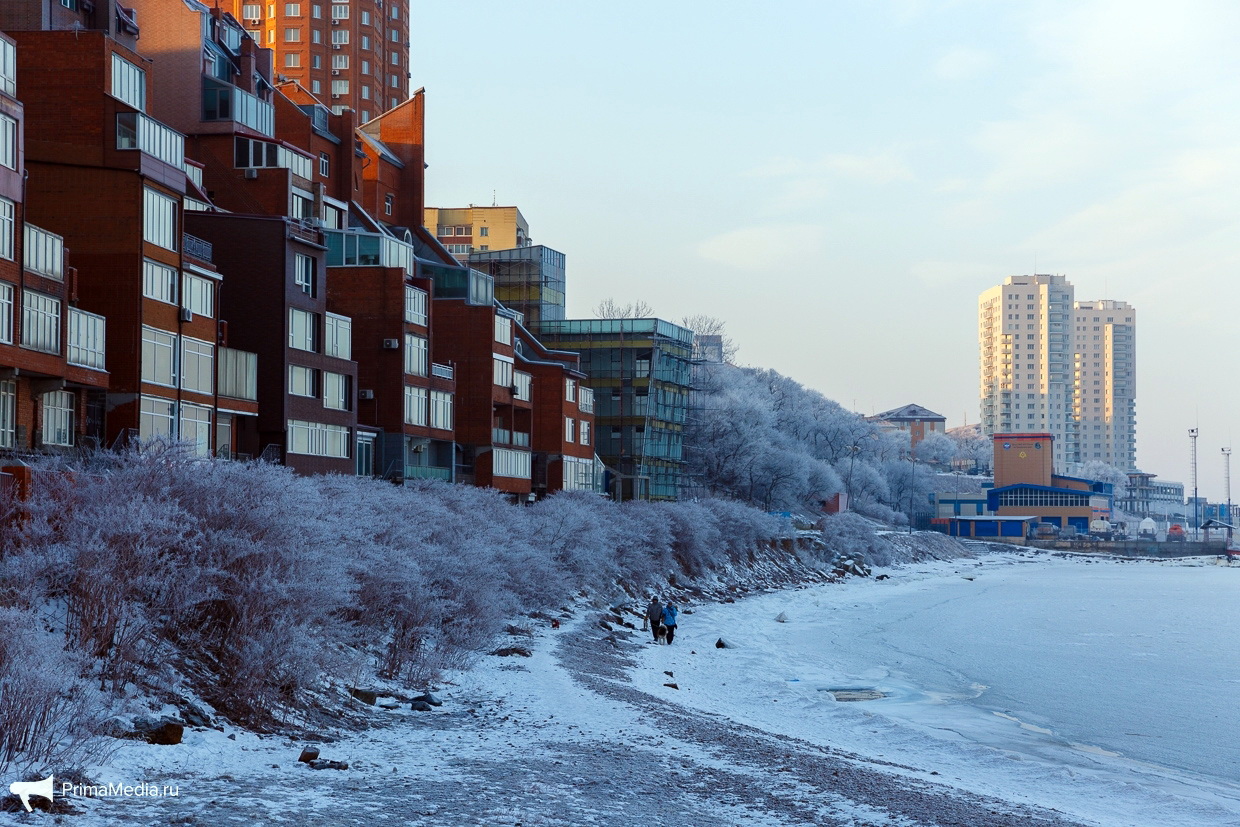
x=654 y=615
x=669 y=621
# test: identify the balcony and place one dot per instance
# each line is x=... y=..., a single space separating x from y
x=520 y=439
x=237 y=374
x=225 y=102
x=585 y=400
x=43 y=253
x=442 y=371
x=523 y=382
x=135 y=130
x=427 y=472
x=196 y=247
x=502 y=436
x=353 y=249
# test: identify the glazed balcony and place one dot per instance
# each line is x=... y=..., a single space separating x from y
x=134 y=130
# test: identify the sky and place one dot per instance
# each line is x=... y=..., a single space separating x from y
x=838 y=180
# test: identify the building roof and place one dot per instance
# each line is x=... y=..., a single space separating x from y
x=910 y=411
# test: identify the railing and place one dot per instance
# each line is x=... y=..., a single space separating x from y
x=353 y=249
x=427 y=472
x=196 y=247
x=442 y=371
x=224 y=102
x=135 y=130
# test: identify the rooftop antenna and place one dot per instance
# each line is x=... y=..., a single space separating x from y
x=494 y=201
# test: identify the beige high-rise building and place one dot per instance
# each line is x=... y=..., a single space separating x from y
x=465 y=230
x=347 y=53
x=1106 y=401
x=1048 y=367
x=1025 y=335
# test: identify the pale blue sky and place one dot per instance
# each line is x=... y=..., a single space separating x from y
x=838 y=181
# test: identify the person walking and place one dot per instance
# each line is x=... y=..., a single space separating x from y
x=669 y=621
x=654 y=616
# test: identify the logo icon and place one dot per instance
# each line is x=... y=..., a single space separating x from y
x=25 y=789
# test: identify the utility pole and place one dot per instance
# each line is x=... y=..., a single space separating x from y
x=1192 y=438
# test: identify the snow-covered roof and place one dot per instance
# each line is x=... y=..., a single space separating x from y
x=910 y=411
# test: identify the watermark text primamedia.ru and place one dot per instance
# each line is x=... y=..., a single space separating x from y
x=140 y=790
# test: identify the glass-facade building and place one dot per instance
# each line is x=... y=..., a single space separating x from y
x=529 y=280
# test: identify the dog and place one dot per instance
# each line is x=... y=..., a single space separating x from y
x=660 y=634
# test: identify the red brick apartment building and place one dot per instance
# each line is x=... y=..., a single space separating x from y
x=51 y=351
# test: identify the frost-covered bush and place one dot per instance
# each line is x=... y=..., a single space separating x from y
x=849 y=535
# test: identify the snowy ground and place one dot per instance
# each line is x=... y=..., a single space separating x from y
x=1041 y=691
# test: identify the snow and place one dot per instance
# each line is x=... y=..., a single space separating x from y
x=1097 y=689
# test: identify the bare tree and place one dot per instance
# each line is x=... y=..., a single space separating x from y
x=611 y=309
x=703 y=325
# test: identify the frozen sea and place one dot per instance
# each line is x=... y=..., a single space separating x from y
x=1105 y=688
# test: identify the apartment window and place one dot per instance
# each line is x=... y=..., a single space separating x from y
x=303 y=330
x=198 y=295
x=86 y=339
x=570 y=429
x=503 y=330
x=416 y=355
x=393 y=80
x=336 y=391
x=340 y=11
x=415 y=405
x=159 y=281
x=570 y=390
x=159 y=219
x=197 y=365
x=316 y=37
x=395 y=11
x=8 y=142
x=303 y=381
x=7 y=227
x=6 y=313
x=196 y=427
x=128 y=83
x=40 y=322
x=8 y=413
x=316 y=87
x=366 y=42
x=325 y=164
x=415 y=305
x=366 y=93
x=339 y=336
x=316 y=11
x=395 y=36
x=365 y=18
x=271 y=37
x=389 y=201
x=502 y=371
x=8 y=68
x=340 y=61
x=506 y=462
x=58 y=410
x=317 y=439
x=340 y=87
x=395 y=58
x=303 y=275
x=292 y=60
x=441 y=410
x=252 y=11
x=292 y=35
x=365 y=67
x=585 y=432
x=340 y=37
x=292 y=9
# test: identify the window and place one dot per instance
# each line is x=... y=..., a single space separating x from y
x=395 y=58
x=484 y=231
x=159 y=219
x=303 y=381
x=86 y=339
x=128 y=83
x=317 y=439
x=415 y=305
x=58 y=410
x=292 y=35
x=339 y=337
x=415 y=405
x=365 y=67
x=340 y=36
x=365 y=18
x=303 y=275
x=196 y=427
x=271 y=37
x=570 y=390
x=503 y=372
x=506 y=462
x=8 y=413
x=8 y=142
x=325 y=164
x=585 y=432
x=336 y=391
x=40 y=322
x=8 y=68
x=197 y=365
x=389 y=201
x=6 y=313
x=441 y=410
x=198 y=295
x=6 y=228
x=503 y=330
x=340 y=61
x=303 y=329
x=340 y=11
x=316 y=87
x=292 y=60
x=570 y=429
x=416 y=355
x=316 y=36
x=316 y=11
x=251 y=11
x=292 y=9
x=158 y=356
x=395 y=35
x=159 y=281
x=366 y=41
x=395 y=11
x=340 y=87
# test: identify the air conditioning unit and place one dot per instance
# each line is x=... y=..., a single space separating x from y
x=365 y=394
x=187 y=315
x=255 y=21
x=515 y=390
x=334 y=95
x=251 y=174
x=335 y=22
x=221 y=333
x=335 y=71
x=391 y=344
x=335 y=45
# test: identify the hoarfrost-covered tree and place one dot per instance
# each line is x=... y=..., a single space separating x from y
x=1103 y=472
x=936 y=449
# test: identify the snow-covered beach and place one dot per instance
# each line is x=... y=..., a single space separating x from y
x=1020 y=689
